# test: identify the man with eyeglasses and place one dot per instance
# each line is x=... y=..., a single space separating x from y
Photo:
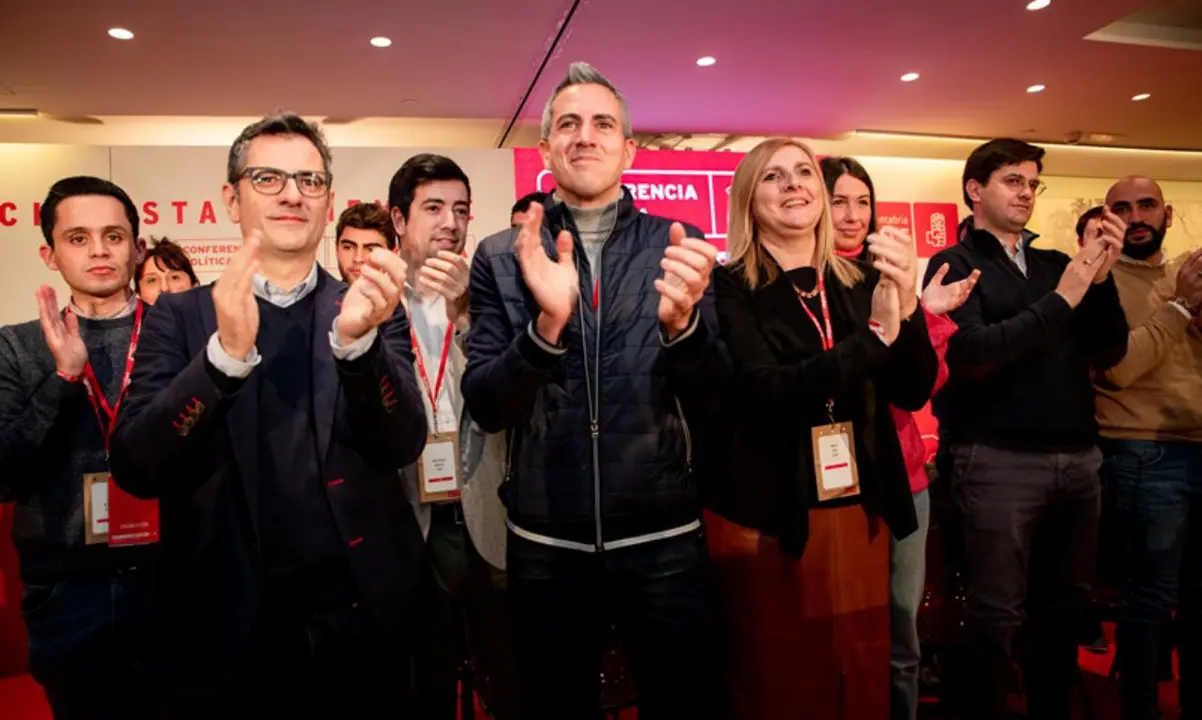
x=1019 y=443
x=270 y=414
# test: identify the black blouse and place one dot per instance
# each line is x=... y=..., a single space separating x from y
x=760 y=470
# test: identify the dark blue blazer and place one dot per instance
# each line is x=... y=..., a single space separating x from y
x=184 y=440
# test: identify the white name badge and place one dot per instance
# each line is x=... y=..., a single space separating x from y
x=835 y=461
x=438 y=469
x=96 y=508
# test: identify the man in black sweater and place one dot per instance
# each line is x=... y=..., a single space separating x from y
x=60 y=376
x=271 y=414
x=1019 y=435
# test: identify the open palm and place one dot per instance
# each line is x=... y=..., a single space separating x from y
x=941 y=299
x=555 y=284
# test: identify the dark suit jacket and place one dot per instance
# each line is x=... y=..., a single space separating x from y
x=182 y=439
x=763 y=477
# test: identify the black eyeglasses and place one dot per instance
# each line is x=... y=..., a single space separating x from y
x=1017 y=183
x=271 y=181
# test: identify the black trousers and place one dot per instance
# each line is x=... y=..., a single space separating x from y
x=564 y=601
x=1030 y=523
x=330 y=664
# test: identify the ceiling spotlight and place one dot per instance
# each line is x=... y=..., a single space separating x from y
x=121 y=34
x=706 y=61
x=1038 y=4
x=1035 y=88
x=1141 y=97
x=381 y=42
x=909 y=77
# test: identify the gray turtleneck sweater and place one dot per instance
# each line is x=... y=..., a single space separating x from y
x=594 y=226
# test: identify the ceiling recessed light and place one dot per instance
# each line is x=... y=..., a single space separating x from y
x=1038 y=4
x=1035 y=88
x=381 y=42
x=1141 y=97
x=909 y=77
x=121 y=34
x=706 y=61
x=18 y=113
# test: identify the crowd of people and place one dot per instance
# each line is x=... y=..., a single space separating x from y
x=290 y=493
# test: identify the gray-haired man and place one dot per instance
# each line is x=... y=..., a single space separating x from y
x=593 y=339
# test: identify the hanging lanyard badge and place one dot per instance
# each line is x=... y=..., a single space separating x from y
x=834 y=445
x=438 y=467
x=111 y=515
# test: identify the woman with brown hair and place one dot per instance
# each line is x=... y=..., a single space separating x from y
x=165 y=268
x=814 y=480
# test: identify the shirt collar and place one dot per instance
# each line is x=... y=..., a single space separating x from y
x=263 y=289
x=1164 y=260
x=127 y=309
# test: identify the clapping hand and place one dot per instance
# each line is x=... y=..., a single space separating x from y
x=687 y=265
x=1104 y=243
x=234 y=300
x=940 y=298
x=372 y=298
x=555 y=284
x=893 y=254
x=62 y=336
x=448 y=274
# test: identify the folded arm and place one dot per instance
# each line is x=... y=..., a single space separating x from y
x=383 y=401
x=1103 y=324
x=26 y=417
x=910 y=371
x=166 y=429
x=1148 y=344
x=978 y=347
x=505 y=369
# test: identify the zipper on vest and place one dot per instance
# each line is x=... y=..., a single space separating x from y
x=688 y=438
x=593 y=386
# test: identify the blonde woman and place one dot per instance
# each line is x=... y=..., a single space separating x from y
x=823 y=345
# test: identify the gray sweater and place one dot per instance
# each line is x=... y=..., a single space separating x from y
x=49 y=438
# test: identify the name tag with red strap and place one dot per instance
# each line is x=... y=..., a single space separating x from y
x=111 y=515
x=835 y=461
x=438 y=467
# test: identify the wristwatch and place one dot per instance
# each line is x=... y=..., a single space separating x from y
x=877 y=330
x=1187 y=306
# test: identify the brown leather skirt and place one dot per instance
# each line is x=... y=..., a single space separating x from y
x=806 y=638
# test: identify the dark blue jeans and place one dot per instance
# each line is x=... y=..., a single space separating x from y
x=563 y=602
x=1030 y=538
x=907 y=581
x=1158 y=491
x=83 y=639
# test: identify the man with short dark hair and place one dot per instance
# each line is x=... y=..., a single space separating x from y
x=517 y=215
x=61 y=380
x=361 y=228
x=594 y=344
x=271 y=413
x=1149 y=409
x=1088 y=222
x=1020 y=439
x=429 y=199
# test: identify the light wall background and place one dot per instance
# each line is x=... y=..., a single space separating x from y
x=178 y=189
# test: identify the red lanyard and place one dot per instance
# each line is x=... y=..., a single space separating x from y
x=107 y=416
x=442 y=369
x=596 y=293
x=828 y=337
